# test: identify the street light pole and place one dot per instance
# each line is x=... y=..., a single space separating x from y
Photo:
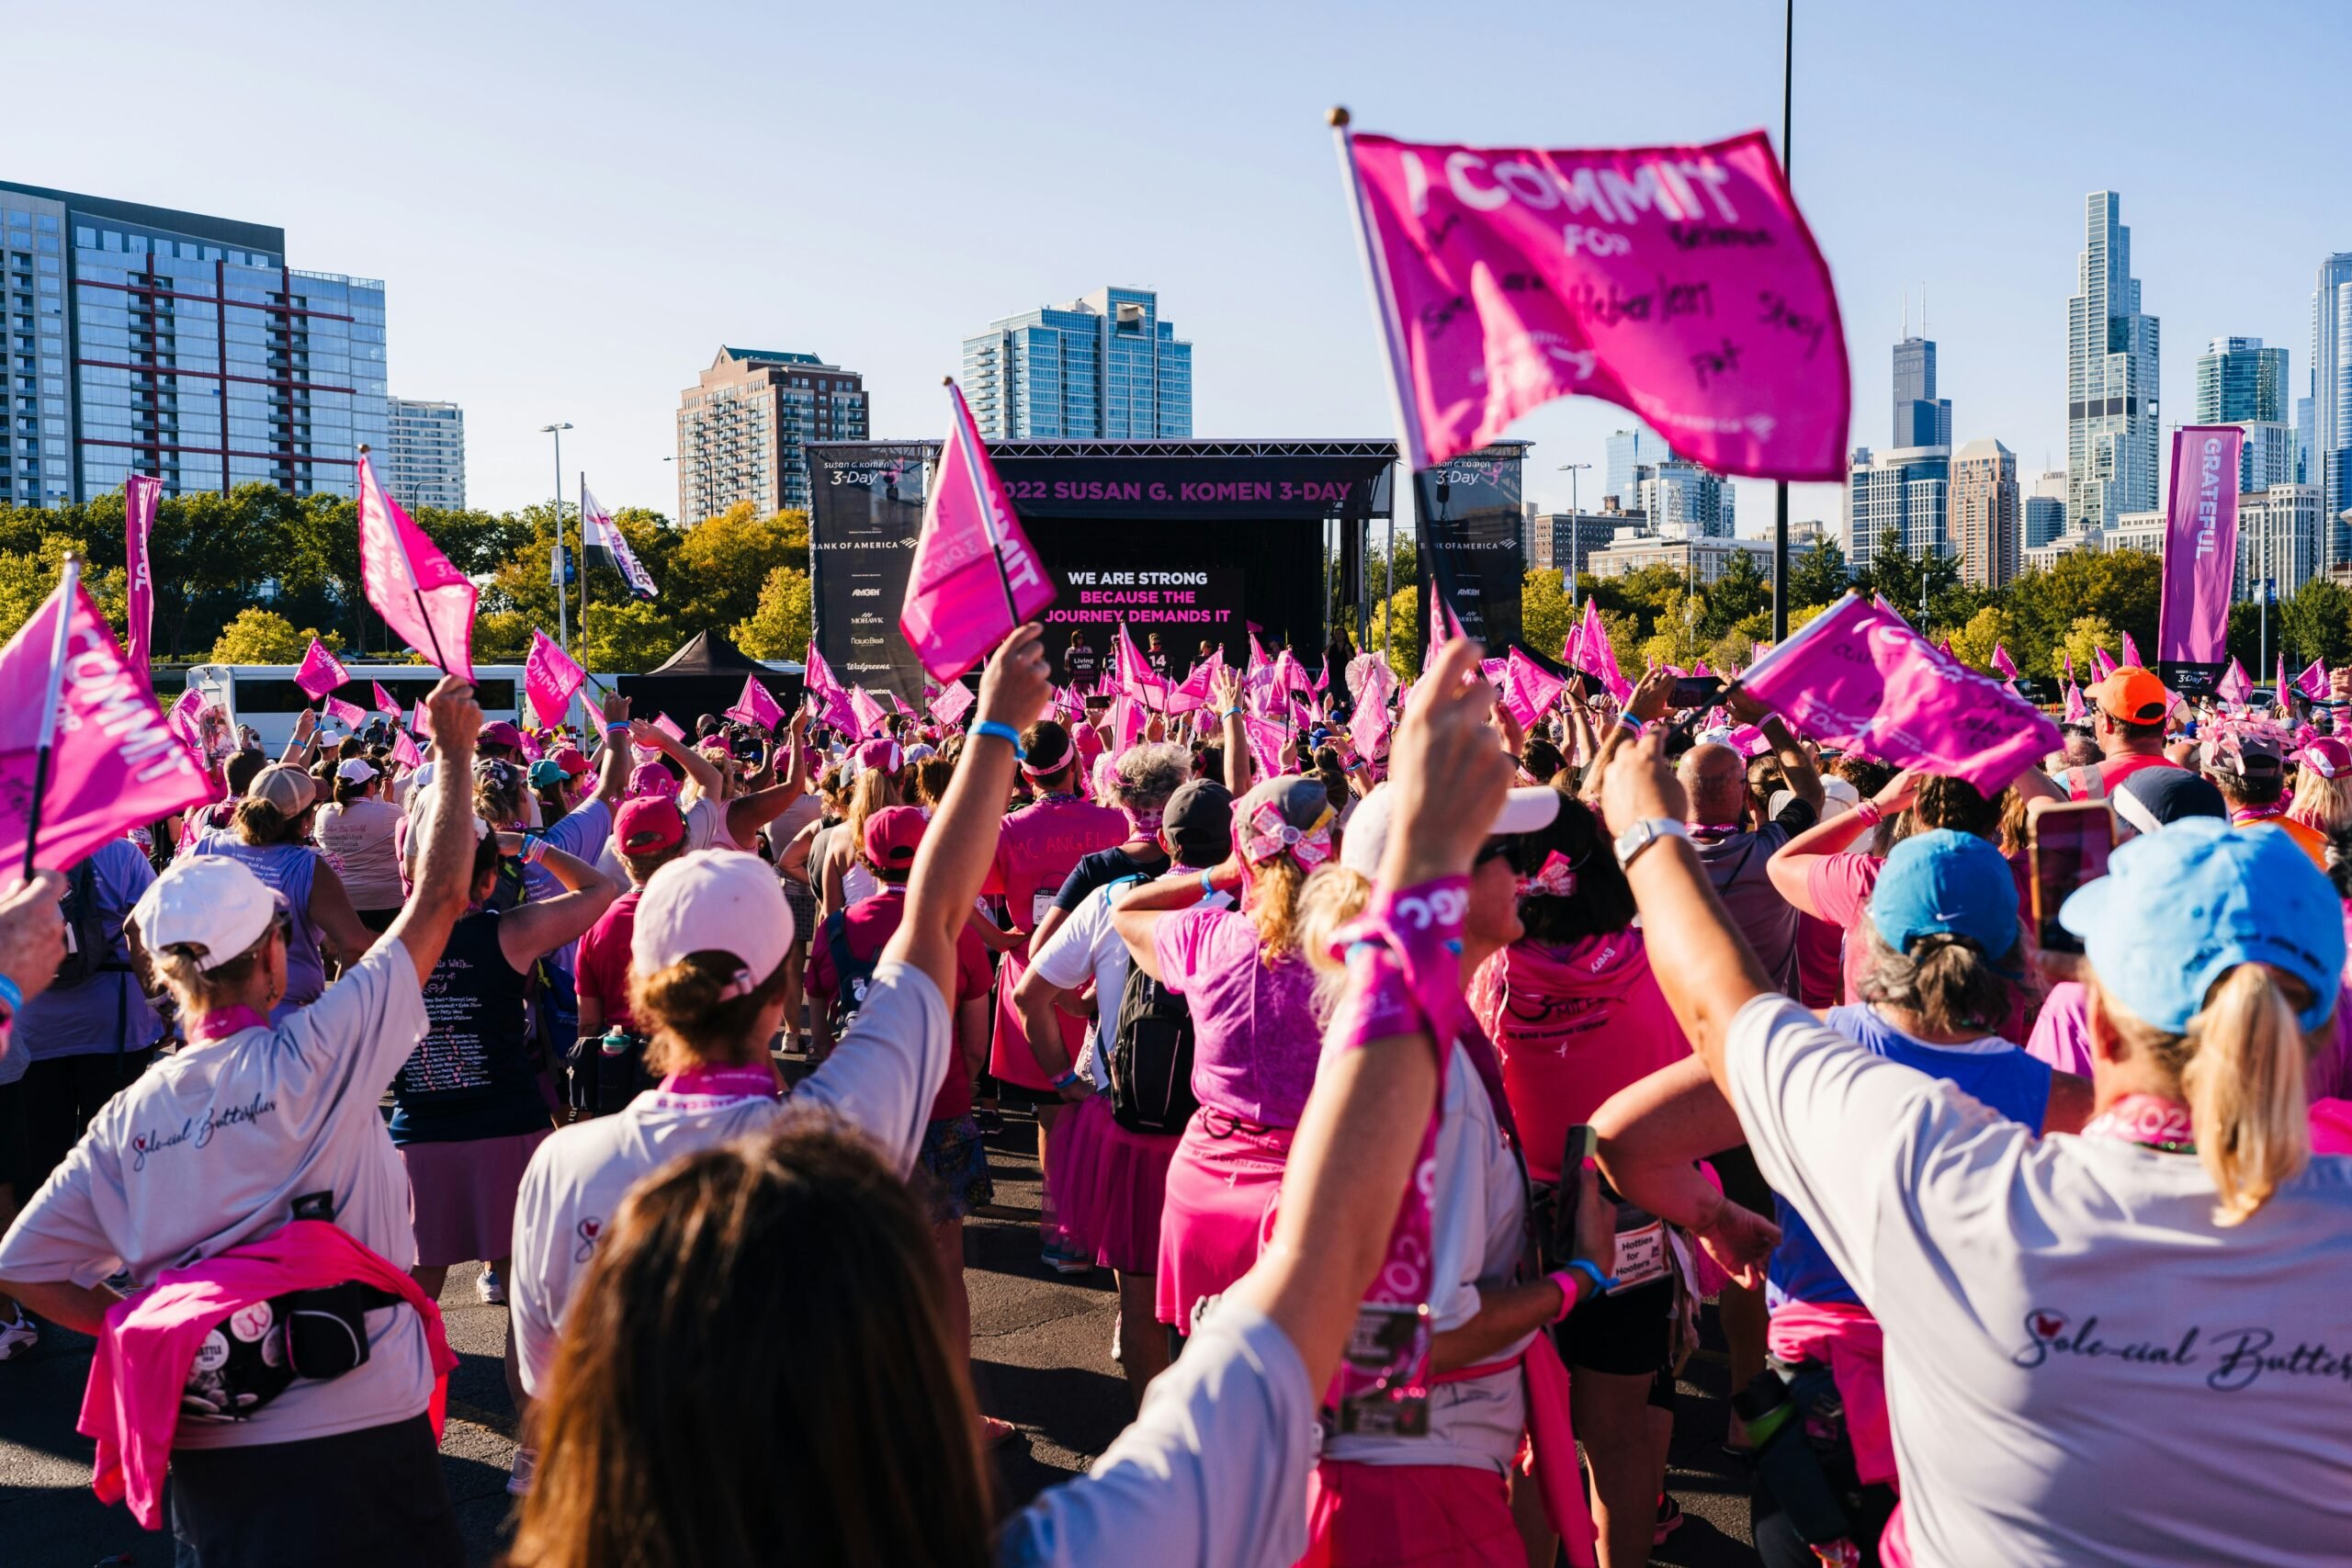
x=562 y=601
x=1781 y=491
x=1576 y=525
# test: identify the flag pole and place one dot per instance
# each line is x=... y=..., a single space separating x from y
x=68 y=581
x=971 y=444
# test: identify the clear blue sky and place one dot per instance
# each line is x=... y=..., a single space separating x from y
x=574 y=205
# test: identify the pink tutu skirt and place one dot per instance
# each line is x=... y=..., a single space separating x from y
x=1224 y=1178
x=1109 y=1185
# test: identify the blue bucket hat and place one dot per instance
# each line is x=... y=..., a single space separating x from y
x=2181 y=908
x=1946 y=882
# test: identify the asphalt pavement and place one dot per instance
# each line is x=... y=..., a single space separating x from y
x=1041 y=1352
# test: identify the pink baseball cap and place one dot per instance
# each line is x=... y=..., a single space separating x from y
x=881 y=753
x=652 y=778
x=714 y=901
x=648 y=824
x=893 y=836
x=498 y=732
x=569 y=758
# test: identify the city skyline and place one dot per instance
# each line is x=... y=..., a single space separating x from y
x=1212 y=181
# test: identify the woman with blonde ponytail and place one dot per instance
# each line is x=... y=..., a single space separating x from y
x=2125 y=1345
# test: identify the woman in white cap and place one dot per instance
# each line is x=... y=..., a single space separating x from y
x=213 y=1148
x=707 y=983
x=270 y=835
x=356 y=831
x=2123 y=1346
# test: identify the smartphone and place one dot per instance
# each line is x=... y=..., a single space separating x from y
x=2067 y=845
x=747 y=747
x=1696 y=692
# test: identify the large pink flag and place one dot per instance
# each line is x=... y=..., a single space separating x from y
x=2233 y=687
x=1601 y=655
x=351 y=715
x=757 y=705
x=114 y=761
x=953 y=703
x=139 y=494
x=2200 y=553
x=551 y=678
x=975 y=576
x=1529 y=689
x=411 y=582
x=865 y=713
x=321 y=671
x=386 y=703
x=1679 y=282
x=1856 y=676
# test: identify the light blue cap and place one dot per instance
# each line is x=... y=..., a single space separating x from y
x=2181 y=908
x=1944 y=882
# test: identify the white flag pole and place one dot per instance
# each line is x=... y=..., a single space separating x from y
x=67 y=582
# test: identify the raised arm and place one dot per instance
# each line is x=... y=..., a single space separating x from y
x=298 y=744
x=613 y=758
x=446 y=868
x=703 y=775
x=1646 y=704
x=1652 y=1132
x=1791 y=868
x=531 y=932
x=1225 y=696
x=1797 y=770
x=747 y=813
x=1138 y=911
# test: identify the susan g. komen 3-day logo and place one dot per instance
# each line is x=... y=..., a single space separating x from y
x=2225 y=1362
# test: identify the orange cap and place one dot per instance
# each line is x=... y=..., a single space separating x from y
x=2131 y=695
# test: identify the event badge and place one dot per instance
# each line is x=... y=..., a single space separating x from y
x=1383 y=1384
x=1641 y=1253
x=1040 y=906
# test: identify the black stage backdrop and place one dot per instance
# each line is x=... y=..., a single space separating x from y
x=1195 y=540
x=1472 y=544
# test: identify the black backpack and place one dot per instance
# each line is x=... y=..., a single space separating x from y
x=851 y=977
x=90 y=948
x=1151 y=1057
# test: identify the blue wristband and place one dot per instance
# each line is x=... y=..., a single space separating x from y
x=1602 y=1283
x=1070 y=1077
x=1005 y=733
x=12 y=996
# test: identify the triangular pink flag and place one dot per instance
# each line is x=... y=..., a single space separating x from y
x=386 y=703
x=2101 y=665
x=2066 y=660
x=351 y=715
x=418 y=721
x=2132 y=651
x=1601 y=655
x=2312 y=681
x=975 y=576
x=139 y=494
x=411 y=582
x=2279 y=684
x=1529 y=689
x=114 y=762
x=2002 y=663
x=549 y=678
x=320 y=671
x=404 y=752
x=2076 y=711
x=757 y=705
x=867 y=713
x=669 y=727
x=2233 y=687
x=1266 y=741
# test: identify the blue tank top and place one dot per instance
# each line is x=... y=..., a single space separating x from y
x=288 y=869
x=2008 y=1079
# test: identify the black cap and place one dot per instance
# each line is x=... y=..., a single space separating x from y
x=1199 y=820
x=2152 y=798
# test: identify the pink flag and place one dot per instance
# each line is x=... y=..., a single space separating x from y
x=2278 y=684
x=186 y=717
x=2233 y=687
x=867 y=712
x=139 y=494
x=757 y=705
x=114 y=762
x=1323 y=676
x=1370 y=726
x=974 y=577
x=1194 y=693
x=1572 y=646
x=1601 y=656
x=2200 y=550
x=351 y=715
x=953 y=703
x=669 y=727
x=551 y=678
x=1135 y=674
x=1266 y=742
x=2076 y=711
x=404 y=752
x=2312 y=681
x=386 y=703
x=419 y=722
x=833 y=700
x=1854 y=676
x=2067 y=661
x=2132 y=649
x=1679 y=282
x=1259 y=664
x=411 y=582
x=1529 y=689
x=319 y=672
x=1444 y=626
x=1290 y=674
x=2101 y=665
x=2002 y=663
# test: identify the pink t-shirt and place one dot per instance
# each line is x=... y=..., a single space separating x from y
x=1034 y=854
x=2062 y=1034
x=1255 y=1040
x=1573 y=1025
x=1838 y=886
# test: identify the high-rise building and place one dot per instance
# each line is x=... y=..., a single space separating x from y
x=2331 y=461
x=1556 y=540
x=1921 y=418
x=742 y=427
x=2111 y=368
x=2043 y=508
x=2280 y=537
x=2268 y=456
x=2237 y=379
x=139 y=339
x=425 y=455
x=1628 y=452
x=2306 y=470
x=1104 y=368
x=1906 y=490
x=1984 y=524
x=1683 y=501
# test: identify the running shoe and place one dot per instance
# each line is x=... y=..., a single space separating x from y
x=1669 y=1518
x=489 y=1288
x=18 y=1338
x=518 y=1478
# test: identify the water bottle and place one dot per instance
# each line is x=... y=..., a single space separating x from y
x=616 y=1041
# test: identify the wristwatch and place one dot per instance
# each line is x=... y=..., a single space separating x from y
x=1646 y=832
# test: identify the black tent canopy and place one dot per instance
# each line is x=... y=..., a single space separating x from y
x=704 y=675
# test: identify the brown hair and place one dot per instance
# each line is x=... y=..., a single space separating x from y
x=875 y=789
x=758 y=1355
x=260 y=824
x=1276 y=884
x=1953 y=985
x=932 y=775
x=2241 y=1067
x=690 y=1021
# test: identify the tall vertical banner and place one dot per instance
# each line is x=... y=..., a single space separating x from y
x=2200 y=557
x=139 y=494
x=1472 y=545
x=865 y=515
x=1679 y=282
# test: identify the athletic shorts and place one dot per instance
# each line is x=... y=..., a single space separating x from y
x=373 y=1498
x=1626 y=1331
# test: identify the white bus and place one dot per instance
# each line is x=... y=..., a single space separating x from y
x=265 y=698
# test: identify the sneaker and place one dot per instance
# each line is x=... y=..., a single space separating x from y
x=995 y=1434
x=1065 y=1263
x=1669 y=1518
x=518 y=1479
x=987 y=1120
x=18 y=1338
x=489 y=1289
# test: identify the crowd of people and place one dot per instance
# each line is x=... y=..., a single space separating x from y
x=1419 y=1078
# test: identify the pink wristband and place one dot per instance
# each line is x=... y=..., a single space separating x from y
x=1411 y=940
x=1571 y=1291
x=1870 y=814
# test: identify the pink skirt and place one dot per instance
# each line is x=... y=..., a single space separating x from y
x=464 y=1196
x=1109 y=1185
x=1409 y=1516
x=1224 y=1178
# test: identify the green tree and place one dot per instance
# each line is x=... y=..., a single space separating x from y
x=2082 y=642
x=2316 y=623
x=1405 y=648
x=1743 y=590
x=1545 y=617
x=1817 y=576
x=1972 y=645
x=627 y=635
x=779 y=627
x=263 y=637
x=722 y=563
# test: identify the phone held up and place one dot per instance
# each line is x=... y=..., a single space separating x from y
x=1696 y=692
x=2066 y=845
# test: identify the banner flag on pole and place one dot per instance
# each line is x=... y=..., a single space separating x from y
x=2201 y=551
x=114 y=761
x=321 y=671
x=603 y=544
x=386 y=703
x=757 y=705
x=975 y=576
x=1679 y=282
x=139 y=494
x=866 y=714
x=411 y=582
x=551 y=678
x=1856 y=676
x=351 y=715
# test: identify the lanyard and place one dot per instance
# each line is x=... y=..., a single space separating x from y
x=709 y=1083
x=221 y=1024
x=2148 y=1120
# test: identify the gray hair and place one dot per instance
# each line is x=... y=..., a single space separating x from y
x=1951 y=984
x=1146 y=775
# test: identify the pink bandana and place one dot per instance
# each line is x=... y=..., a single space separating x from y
x=753 y=1081
x=1268 y=833
x=1557 y=878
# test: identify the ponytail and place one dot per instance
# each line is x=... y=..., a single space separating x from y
x=2243 y=1081
x=1331 y=896
x=1274 y=912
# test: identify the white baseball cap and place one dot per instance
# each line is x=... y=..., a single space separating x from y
x=209 y=904
x=714 y=901
x=1365 y=838
x=357 y=768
